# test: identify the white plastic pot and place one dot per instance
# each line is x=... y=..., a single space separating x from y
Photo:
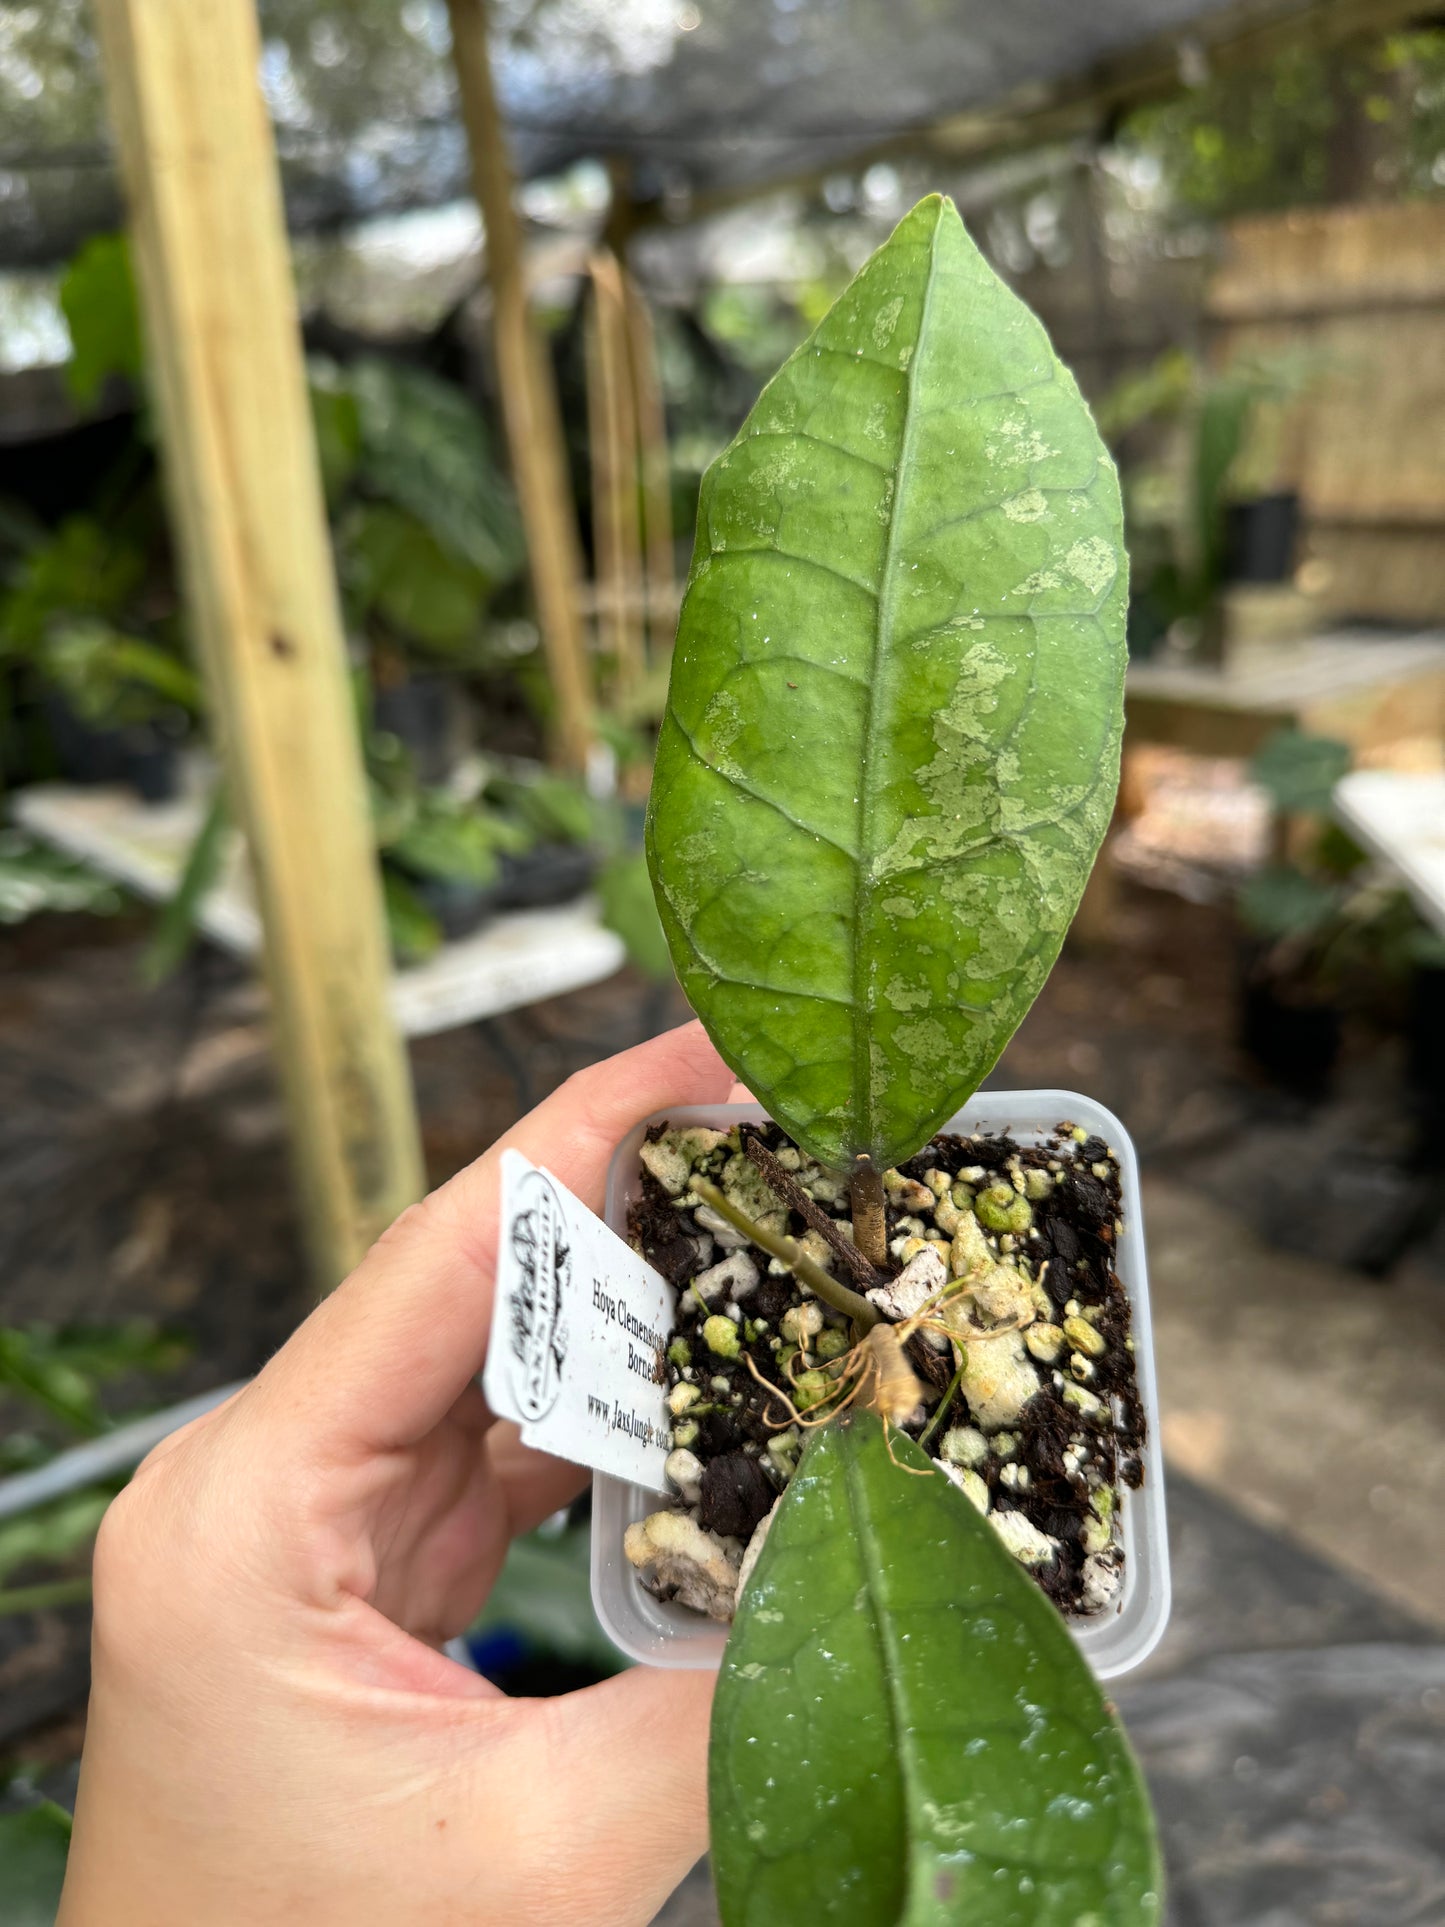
x=1113 y=1642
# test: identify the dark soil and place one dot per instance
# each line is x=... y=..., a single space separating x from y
x=1069 y=1249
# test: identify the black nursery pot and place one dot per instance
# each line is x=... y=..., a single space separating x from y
x=1260 y=537
x=1294 y=1038
x=552 y=873
x=428 y=716
x=142 y=756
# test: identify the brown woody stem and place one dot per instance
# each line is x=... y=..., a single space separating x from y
x=796 y=1198
x=870 y=1224
x=798 y=1262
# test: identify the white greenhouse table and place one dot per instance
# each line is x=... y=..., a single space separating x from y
x=1401 y=819
x=519 y=958
x=1367 y=690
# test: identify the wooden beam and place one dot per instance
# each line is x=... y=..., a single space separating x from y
x=616 y=506
x=529 y=396
x=660 y=560
x=240 y=462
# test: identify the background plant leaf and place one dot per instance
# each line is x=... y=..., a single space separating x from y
x=904 y=1730
x=98 y=300
x=628 y=908
x=33 y=1848
x=891 y=744
x=1300 y=771
x=35 y=878
x=175 y=928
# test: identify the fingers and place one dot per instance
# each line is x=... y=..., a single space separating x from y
x=534 y=1485
x=385 y=1357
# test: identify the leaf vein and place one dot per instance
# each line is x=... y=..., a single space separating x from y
x=744 y=788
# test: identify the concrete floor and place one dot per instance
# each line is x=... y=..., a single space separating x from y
x=1312 y=1398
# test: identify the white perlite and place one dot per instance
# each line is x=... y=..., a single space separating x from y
x=1023 y=1539
x=999 y=1379
x=727 y=1235
x=964 y=1445
x=685 y=1561
x=922 y=1278
x=969 y=1483
x=733 y=1278
x=684 y=1470
x=1102 y=1579
x=672 y=1158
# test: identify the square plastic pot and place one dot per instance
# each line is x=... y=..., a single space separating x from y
x=1114 y=1642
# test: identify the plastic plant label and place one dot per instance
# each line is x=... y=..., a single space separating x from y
x=578 y=1330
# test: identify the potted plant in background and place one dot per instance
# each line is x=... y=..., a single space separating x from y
x=428 y=543
x=889 y=756
x=1202 y=522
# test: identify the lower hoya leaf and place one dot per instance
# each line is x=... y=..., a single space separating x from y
x=905 y=1732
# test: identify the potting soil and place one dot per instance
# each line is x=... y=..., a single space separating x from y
x=1037 y=1417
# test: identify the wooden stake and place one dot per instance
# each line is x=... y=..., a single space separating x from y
x=656 y=465
x=529 y=397
x=225 y=356
x=616 y=502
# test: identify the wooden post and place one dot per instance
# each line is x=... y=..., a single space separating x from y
x=660 y=563
x=240 y=458
x=616 y=504
x=529 y=397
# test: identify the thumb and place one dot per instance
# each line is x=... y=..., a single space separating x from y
x=628 y=1765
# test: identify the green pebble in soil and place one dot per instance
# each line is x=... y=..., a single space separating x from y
x=832 y=1343
x=1000 y=1208
x=679 y=1352
x=812 y=1388
x=720 y=1335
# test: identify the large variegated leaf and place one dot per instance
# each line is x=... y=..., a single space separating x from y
x=905 y=1734
x=891 y=744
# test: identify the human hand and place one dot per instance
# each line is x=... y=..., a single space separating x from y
x=273 y=1733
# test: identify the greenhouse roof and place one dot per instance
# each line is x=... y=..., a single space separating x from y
x=700 y=98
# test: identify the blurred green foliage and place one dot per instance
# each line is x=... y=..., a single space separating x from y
x=36 y=879
x=1330 y=924
x=1176 y=503
x=1300 y=771
x=1320 y=122
x=60 y=1370
x=34 y=1843
x=98 y=300
x=56 y=1375
x=630 y=909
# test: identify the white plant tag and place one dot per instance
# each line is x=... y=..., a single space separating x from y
x=578 y=1331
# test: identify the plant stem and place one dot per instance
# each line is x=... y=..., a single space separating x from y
x=796 y=1198
x=944 y=1403
x=34 y=1599
x=786 y=1249
x=870 y=1223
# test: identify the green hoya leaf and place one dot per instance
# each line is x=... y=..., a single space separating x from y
x=892 y=737
x=905 y=1734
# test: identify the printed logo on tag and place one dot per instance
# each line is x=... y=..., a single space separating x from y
x=579 y=1328
x=542 y=1253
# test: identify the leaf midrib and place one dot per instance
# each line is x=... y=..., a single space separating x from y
x=901 y=1751
x=872 y=724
